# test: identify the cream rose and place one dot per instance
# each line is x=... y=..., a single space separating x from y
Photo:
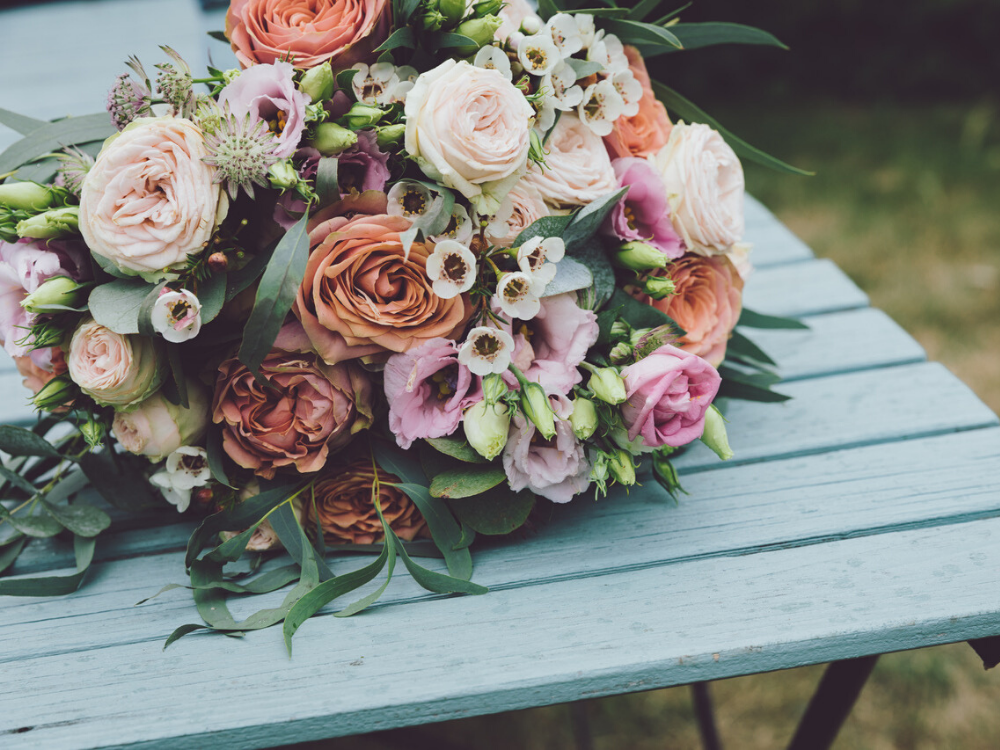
x=468 y=128
x=527 y=207
x=113 y=369
x=149 y=201
x=704 y=181
x=578 y=169
x=156 y=428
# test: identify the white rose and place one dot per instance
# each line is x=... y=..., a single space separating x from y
x=156 y=428
x=704 y=181
x=149 y=201
x=468 y=128
x=578 y=169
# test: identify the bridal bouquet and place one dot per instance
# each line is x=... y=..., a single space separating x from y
x=411 y=271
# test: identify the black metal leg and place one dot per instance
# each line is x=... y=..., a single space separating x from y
x=988 y=650
x=706 y=716
x=581 y=725
x=838 y=690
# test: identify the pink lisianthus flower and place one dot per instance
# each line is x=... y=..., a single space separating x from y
x=549 y=348
x=427 y=390
x=643 y=212
x=556 y=469
x=24 y=266
x=267 y=92
x=668 y=394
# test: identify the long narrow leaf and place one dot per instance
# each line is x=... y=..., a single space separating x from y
x=20 y=123
x=445 y=530
x=697 y=35
x=753 y=319
x=53 y=585
x=54 y=136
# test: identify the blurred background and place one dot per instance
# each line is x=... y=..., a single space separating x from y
x=896 y=107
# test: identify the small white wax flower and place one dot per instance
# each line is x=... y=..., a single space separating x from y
x=498 y=225
x=176 y=315
x=452 y=268
x=407 y=75
x=630 y=90
x=410 y=199
x=486 y=351
x=545 y=115
x=565 y=33
x=493 y=58
x=585 y=28
x=601 y=106
x=516 y=296
x=532 y=257
x=538 y=54
x=608 y=50
x=184 y=469
x=459 y=228
x=562 y=88
x=375 y=84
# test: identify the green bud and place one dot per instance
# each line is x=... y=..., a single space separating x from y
x=583 y=418
x=639 y=256
x=453 y=10
x=486 y=427
x=622 y=467
x=636 y=335
x=714 y=435
x=535 y=406
x=282 y=175
x=389 y=135
x=57 y=392
x=480 y=30
x=494 y=388
x=27 y=196
x=622 y=353
x=331 y=139
x=228 y=76
x=653 y=338
x=620 y=331
x=317 y=83
x=43 y=335
x=432 y=20
x=61 y=291
x=487 y=8
x=93 y=432
x=659 y=287
x=536 y=151
x=665 y=473
x=361 y=116
x=607 y=385
x=58 y=222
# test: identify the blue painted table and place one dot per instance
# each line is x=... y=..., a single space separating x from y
x=859 y=518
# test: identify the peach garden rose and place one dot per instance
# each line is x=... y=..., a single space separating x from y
x=113 y=369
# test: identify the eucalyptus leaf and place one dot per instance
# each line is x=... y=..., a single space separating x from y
x=177 y=379
x=40 y=527
x=588 y=220
x=118 y=304
x=18 y=481
x=404 y=464
x=642 y=9
x=547 y=226
x=53 y=585
x=746 y=391
x=571 y=275
x=80 y=518
x=436 y=582
x=753 y=319
x=54 y=136
x=213 y=447
x=591 y=254
x=401 y=37
x=740 y=344
x=445 y=530
x=243 y=278
x=496 y=512
x=145 y=315
x=18 y=441
x=446 y=39
x=292 y=535
x=584 y=68
x=108 y=268
x=327 y=179
x=638 y=315
x=9 y=552
x=20 y=123
x=119 y=480
x=466 y=482
x=219 y=36
x=212 y=295
x=457 y=448
x=369 y=599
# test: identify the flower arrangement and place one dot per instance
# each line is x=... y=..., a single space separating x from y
x=413 y=270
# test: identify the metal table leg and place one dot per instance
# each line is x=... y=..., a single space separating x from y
x=838 y=690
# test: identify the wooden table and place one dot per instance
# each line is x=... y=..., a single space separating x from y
x=861 y=517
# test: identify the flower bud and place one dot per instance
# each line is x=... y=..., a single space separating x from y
x=486 y=427
x=27 y=196
x=203 y=495
x=218 y=262
x=389 y=135
x=653 y=338
x=361 y=116
x=487 y=8
x=666 y=474
x=620 y=331
x=607 y=385
x=584 y=418
x=479 y=30
x=639 y=256
x=54 y=394
x=531 y=25
x=535 y=406
x=636 y=335
x=93 y=432
x=61 y=291
x=331 y=139
x=282 y=174
x=494 y=388
x=432 y=20
x=453 y=10
x=714 y=435
x=46 y=334
x=58 y=222
x=622 y=467
x=536 y=151
x=659 y=287
x=317 y=83
x=622 y=353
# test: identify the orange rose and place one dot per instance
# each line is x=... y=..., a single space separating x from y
x=346 y=511
x=645 y=133
x=307 y=33
x=706 y=303
x=36 y=377
x=361 y=297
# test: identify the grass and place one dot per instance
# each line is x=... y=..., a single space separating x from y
x=907 y=202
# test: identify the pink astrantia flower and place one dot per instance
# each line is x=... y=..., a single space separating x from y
x=267 y=92
x=549 y=348
x=643 y=212
x=556 y=469
x=668 y=394
x=427 y=390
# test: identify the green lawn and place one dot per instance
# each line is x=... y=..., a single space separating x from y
x=907 y=201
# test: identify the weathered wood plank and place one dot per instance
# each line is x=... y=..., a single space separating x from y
x=799 y=289
x=773 y=243
x=560 y=641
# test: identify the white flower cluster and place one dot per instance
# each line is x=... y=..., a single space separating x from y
x=383 y=83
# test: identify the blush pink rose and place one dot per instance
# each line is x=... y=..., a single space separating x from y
x=150 y=201
x=156 y=427
x=267 y=92
x=527 y=207
x=428 y=390
x=307 y=33
x=578 y=168
x=668 y=394
x=114 y=369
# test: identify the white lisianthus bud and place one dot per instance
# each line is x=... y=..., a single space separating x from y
x=531 y=257
x=176 y=315
x=640 y=256
x=538 y=54
x=714 y=435
x=185 y=469
x=607 y=385
x=56 y=292
x=584 y=418
x=452 y=268
x=486 y=350
x=493 y=58
x=486 y=427
x=535 y=406
x=317 y=83
x=622 y=467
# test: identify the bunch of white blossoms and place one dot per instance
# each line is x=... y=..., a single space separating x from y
x=383 y=83
x=548 y=54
